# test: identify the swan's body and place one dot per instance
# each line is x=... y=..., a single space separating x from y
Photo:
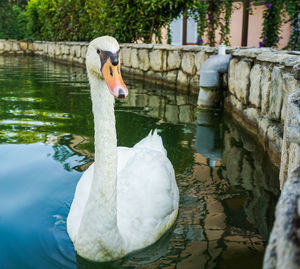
x=128 y=198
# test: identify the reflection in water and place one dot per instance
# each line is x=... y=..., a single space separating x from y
x=228 y=188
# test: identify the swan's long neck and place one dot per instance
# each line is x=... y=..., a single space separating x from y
x=99 y=222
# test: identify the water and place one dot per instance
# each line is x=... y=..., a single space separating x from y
x=228 y=187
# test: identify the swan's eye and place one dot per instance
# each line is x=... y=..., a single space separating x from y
x=111 y=71
x=98 y=51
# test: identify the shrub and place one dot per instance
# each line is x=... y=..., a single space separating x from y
x=13 y=21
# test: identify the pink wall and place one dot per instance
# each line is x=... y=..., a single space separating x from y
x=254 y=27
x=236 y=24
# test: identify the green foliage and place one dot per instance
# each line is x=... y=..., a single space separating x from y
x=274 y=17
x=13 y=21
x=225 y=23
x=293 y=9
x=198 y=12
x=272 y=22
x=127 y=20
x=207 y=14
x=131 y=20
x=40 y=15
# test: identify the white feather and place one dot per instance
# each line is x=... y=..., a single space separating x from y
x=129 y=197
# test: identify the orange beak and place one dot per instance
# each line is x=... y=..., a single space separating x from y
x=114 y=80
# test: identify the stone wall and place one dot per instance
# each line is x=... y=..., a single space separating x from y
x=261 y=95
x=259 y=79
x=259 y=83
x=176 y=65
x=284 y=244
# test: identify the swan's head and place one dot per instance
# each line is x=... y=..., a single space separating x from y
x=103 y=60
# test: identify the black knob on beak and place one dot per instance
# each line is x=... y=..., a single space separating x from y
x=121 y=93
x=114 y=59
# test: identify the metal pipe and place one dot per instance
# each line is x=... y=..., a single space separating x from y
x=209 y=77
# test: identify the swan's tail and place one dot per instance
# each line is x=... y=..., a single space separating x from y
x=152 y=141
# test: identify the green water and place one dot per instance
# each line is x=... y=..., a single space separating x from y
x=228 y=187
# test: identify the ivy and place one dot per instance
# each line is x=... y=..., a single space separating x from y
x=13 y=20
x=272 y=22
x=208 y=17
x=292 y=7
x=225 y=25
x=198 y=13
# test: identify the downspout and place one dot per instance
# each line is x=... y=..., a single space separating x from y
x=209 y=78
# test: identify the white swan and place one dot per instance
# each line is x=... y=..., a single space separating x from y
x=128 y=198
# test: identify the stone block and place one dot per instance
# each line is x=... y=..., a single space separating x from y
x=290 y=60
x=272 y=56
x=174 y=60
x=126 y=56
x=172 y=113
x=185 y=113
x=276 y=93
x=182 y=78
x=195 y=82
x=156 y=61
x=144 y=63
x=290 y=84
x=242 y=81
x=251 y=114
x=134 y=58
x=231 y=158
x=182 y=99
x=290 y=157
x=51 y=49
x=171 y=76
x=45 y=48
x=23 y=45
x=36 y=46
x=83 y=51
x=30 y=46
x=254 y=91
x=231 y=76
x=15 y=46
x=263 y=125
x=72 y=51
x=2 y=44
x=7 y=45
x=247 y=174
x=237 y=105
x=188 y=63
x=57 y=49
x=296 y=71
x=265 y=85
x=77 y=50
x=200 y=58
x=164 y=60
x=274 y=134
x=249 y=52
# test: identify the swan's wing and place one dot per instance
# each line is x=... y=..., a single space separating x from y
x=147 y=195
x=80 y=198
x=152 y=142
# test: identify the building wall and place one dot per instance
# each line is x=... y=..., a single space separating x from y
x=254 y=28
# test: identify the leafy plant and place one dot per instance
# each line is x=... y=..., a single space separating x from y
x=13 y=21
x=198 y=12
x=272 y=22
x=225 y=23
x=293 y=9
